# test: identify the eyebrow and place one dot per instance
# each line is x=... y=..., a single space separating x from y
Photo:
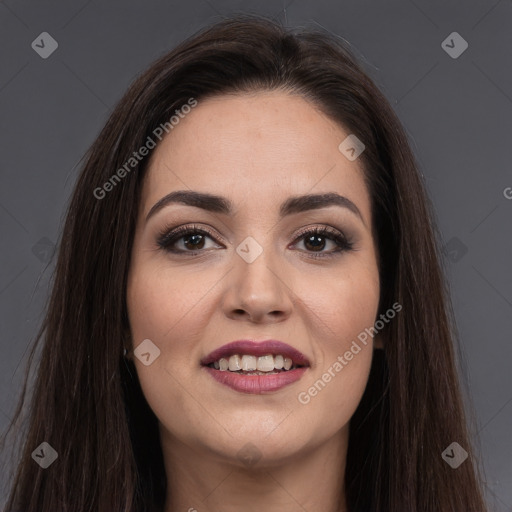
x=219 y=204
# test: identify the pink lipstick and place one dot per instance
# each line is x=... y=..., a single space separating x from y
x=256 y=367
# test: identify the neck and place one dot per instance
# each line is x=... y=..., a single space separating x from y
x=202 y=481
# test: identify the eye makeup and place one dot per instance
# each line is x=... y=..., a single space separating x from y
x=196 y=235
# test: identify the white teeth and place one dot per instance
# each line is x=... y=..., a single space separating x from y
x=234 y=363
x=265 y=363
x=278 y=362
x=248 y=363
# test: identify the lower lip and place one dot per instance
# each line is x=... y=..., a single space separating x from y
x=256 y=384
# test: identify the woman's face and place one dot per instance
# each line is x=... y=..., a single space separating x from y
x=255 y=276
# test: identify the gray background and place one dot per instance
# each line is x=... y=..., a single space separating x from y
x=457 y=113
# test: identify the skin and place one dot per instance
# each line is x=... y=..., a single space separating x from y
x=257 y=150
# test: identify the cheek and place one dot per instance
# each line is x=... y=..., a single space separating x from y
x=344 y=305
x=164 y=306
x=153 y=309
x=345 y=311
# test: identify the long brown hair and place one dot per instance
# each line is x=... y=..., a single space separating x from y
x=87 y=402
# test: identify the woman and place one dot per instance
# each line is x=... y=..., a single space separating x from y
x=248 y=309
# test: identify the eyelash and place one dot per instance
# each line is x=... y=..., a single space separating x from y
x=167 y=238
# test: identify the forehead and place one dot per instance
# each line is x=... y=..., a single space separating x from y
x=260 y=146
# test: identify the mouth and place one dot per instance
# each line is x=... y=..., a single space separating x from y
x=256 y=367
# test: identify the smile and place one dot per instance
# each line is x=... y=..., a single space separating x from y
x=256 y=367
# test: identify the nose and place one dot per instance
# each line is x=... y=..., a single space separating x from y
x=258 y=291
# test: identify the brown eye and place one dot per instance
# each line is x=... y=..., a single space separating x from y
x=194 y=239
x=315 y=241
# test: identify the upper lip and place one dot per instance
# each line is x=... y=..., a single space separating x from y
x=256 y=348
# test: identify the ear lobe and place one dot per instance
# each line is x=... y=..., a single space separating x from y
x=127 y=344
